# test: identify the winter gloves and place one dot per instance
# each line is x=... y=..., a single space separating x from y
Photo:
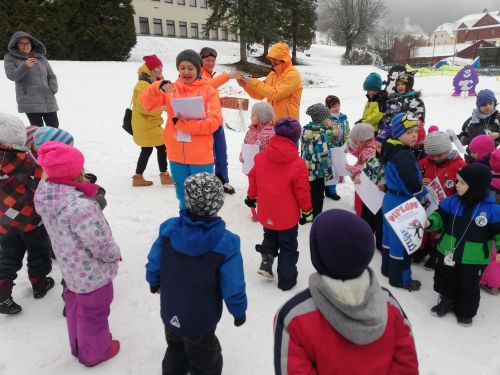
x=240 y=321
x=306 y=217
x=251 y=202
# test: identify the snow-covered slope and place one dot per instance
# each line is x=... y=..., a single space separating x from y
x=92 y=97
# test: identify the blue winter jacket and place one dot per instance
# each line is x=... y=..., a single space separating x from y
x=196 y=263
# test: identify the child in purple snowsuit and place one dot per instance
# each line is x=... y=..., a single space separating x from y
x=84 y=247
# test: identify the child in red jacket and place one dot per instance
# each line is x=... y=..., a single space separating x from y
x=279 y=183
x=344 y=323
x=441 y=162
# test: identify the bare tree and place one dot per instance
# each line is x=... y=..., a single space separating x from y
x=382 y=41
x=355 y=19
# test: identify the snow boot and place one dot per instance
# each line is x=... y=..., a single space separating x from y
x=266 y=266
x=138 y=180
x=444 y=306
x=430 y=264
x=7 y=304
x=166 y=179
x=491 y=290
x=335 y=196
x=413 y=285
x=41 y=285
x=464 y=322
x=113 y=350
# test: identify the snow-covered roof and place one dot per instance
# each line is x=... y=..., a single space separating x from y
x=448 y=27
x=470 y=19
x=441 y=50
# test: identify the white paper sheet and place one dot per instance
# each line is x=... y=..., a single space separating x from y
x=191 y=108
x=182 y=137
x=436 y=194
x=369 y=193
x=408 y=220
x=460 y=147
x=339 y=160
x=248 y=153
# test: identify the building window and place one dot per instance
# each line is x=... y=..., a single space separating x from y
x=204 y=31
x=168 y=1
x=144 y=25
x=194 y=30
x=181 y=2
x=170 y=28
x=224 y=34
x=192 y=3
x=203 y=3
x=215 y=34
x=234 y=37
x=157 y=26
x=183 y=30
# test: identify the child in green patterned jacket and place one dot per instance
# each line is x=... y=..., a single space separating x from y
x=317 y=138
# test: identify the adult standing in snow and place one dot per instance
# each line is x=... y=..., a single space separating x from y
x=208 y=57
x=36 y=83
x=282 y=87
x=146 y=125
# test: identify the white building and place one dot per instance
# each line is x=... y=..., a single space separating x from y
x=176 y=18
x=443 y=35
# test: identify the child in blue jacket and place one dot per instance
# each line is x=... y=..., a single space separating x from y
x=403 y=181
x=195 y=264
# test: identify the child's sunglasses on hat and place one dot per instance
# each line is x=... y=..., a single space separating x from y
x=207 y=51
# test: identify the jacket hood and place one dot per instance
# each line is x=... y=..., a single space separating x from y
x=188 y=231
x=281 y=150
x=361 y=320
x=36 y=45
x=390 y=148
x=280 y=51
x=53 y=197
x=144 y=70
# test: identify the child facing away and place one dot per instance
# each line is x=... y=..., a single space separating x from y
x=317 y=138
x=375 y=108
x=86 y=252
x=339 y=119
x=278 y=184
x=470 y=222
x=485 y=119
x=21 y=228
x=441 y=162
x=490 y=280
x=195 y=264
x=403 y=181
x=375 y=171
x=344 y=315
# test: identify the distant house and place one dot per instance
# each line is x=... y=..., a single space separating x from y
x=432 y=54
x=487 y=27
x=443 y=35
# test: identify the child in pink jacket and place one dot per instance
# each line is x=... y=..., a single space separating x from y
x=84 y=248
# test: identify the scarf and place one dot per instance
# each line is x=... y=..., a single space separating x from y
x=87 y=188
x=477 y=116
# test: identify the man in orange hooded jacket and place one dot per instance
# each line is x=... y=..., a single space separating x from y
x=282 y=87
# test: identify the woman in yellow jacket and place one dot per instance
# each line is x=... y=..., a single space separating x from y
x=282 y=87
x=146 y=125
x=192 y=153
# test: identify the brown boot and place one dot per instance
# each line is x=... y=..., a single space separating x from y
x=138 y=180
x=166 y=179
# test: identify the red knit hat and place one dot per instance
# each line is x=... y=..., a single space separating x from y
x=152 y=61
x=482 y=145
x=421 y=133
x=60 y=161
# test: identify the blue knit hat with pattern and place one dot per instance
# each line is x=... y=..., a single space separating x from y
x=47 y=133
x=401 y=123
x=373 y=82
x=485 y=97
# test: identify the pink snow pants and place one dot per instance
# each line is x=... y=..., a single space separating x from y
x=87 y=319
x=491 y=275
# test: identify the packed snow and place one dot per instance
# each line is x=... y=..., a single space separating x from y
x=92 y=98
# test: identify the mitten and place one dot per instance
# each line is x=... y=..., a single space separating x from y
x=240 y=321
x=154 y=289
x=251 y=202
x=306 y=217
x=163 y=83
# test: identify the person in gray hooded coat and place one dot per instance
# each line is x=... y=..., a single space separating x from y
x=344 y=323
x=36 y=83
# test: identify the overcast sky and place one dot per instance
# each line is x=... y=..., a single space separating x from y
x=430 y=13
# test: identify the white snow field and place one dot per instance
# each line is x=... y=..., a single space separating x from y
x=92 y=98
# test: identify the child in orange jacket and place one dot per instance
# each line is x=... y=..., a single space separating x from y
x=189 y=142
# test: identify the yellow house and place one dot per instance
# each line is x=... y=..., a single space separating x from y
x=176 y=19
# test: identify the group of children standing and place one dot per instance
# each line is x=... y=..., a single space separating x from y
x=196 y=256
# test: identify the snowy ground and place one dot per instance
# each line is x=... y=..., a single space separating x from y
x=92 y=97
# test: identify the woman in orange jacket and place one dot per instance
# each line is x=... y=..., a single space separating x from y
x=282 y=87
x=192 y=153
x=208 y=56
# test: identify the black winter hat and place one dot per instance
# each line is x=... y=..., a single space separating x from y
x=204 y=194
x=189 y=55
x=341 y=243
x=408 y=78
x=478 y=177
x=318 y=112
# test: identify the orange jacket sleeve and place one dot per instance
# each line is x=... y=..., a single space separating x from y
x=212 y=120
x=219 y=80
x=152 y=98
x=285 y=88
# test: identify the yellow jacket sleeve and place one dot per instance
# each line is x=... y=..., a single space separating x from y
x=372 y=114
x=283 y=89
x=139 y=88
